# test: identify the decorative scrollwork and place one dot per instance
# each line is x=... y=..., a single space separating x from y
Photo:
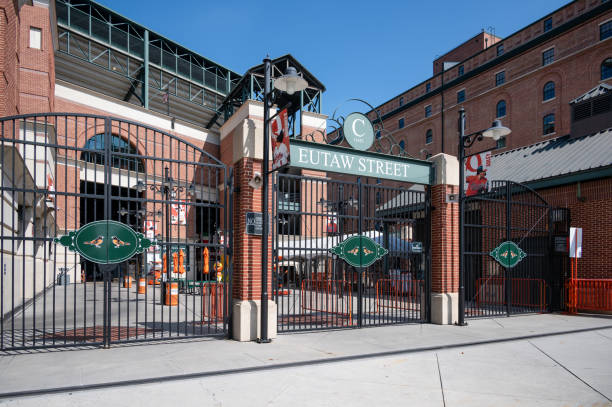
x=333 y=134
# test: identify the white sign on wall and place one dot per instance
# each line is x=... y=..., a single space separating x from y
x=575 y=242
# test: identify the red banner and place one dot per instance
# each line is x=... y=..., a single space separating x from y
x=279 y=132
x=476 y=167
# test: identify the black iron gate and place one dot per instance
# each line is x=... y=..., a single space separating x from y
x=315 y=290
x=509 y=212
x=63 y=171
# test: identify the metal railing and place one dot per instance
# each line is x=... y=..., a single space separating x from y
x=588 y=295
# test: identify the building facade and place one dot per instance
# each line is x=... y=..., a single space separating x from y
x=526 y=80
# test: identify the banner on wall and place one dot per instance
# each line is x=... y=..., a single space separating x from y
x=178 y=214
x=150 y=229
x=475 y=173
x=279 y=133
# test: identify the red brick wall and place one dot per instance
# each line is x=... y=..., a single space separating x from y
x=246 y=277
x=591 y=211
x=9 y=57
x=445 y=240
x=37 y=73
x=465 y=50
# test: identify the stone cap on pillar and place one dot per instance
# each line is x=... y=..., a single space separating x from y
x=446 y=169
x=242 y=134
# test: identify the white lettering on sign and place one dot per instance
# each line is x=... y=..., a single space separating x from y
x=357 y=164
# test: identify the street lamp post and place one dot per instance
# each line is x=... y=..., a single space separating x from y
x=290 y=83
x=495 y=132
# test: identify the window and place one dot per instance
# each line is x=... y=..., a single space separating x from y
x=118 y=145
x=401 y=101
x=427 y=87
x=427 y=110
x=548 y=24
x=35 y=38
x=606 y=69
x=500 y=78
x=402 y=145
x=460 y=71
x=429 y=137
x=500 y=110
x=400 y=123
x=548 y=56
x=501 y=143
x=378 y=134
x=605 y=30
x=500 y=49
x=461 y=96
x=548 y=124
x=549 y=91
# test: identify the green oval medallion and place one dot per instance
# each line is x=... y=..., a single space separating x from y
x=105 y=241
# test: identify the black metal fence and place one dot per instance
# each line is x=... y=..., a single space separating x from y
x=314 y=289
x=62 y=171
x=508 y=212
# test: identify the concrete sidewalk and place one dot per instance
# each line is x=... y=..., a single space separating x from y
x=523 y=360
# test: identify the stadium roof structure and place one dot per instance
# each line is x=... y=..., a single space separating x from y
x=101 y=50
x=251 y=86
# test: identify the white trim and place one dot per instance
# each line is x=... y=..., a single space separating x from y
x=85 y=97
x=604 y=22
x=316 y=120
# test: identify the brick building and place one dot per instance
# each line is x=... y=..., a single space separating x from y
x=526 y=80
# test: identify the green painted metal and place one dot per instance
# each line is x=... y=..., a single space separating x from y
x=359 y=251
x=358 y=131
x=105 y=242
x=145 y=83
x=508 y=254
x=325 y=157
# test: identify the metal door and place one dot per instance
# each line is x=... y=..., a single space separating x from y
x=509 y=212
x=314 y=289
x=63 y=171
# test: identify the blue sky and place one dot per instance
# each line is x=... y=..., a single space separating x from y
x=358 y=49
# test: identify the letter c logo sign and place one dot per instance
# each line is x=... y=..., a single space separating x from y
x=358 y=131
x=360 y=120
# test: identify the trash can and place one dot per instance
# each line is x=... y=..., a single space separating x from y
x=63 y=278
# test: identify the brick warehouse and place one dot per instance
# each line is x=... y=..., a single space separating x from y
x=170 y=121
x=532 y=84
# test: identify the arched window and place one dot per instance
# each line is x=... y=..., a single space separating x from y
x=606 y=69
x=500 y=110
x=118 y=148
x=548 y=124
x=429 y=137
x=548 y=91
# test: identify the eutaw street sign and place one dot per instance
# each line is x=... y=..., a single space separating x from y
x=359 y=251
x=325 y=157
x=105 y=242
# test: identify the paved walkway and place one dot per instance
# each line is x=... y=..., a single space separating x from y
x=536 y=360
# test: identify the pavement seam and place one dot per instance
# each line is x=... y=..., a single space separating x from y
x=570 y=372
x=441 y=385
x=605 y=336
x=250 y=369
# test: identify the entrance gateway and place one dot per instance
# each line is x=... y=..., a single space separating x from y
x=350 y=235
x=112 y=232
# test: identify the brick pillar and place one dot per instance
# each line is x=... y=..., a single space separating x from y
x=445 y=241
x=242 y=149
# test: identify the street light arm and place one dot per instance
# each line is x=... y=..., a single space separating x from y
x=470 y=139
